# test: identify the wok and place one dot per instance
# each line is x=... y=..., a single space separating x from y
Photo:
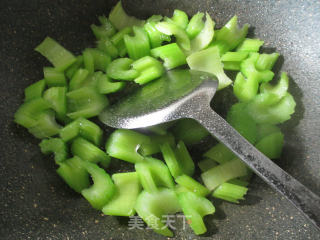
x=34 y=201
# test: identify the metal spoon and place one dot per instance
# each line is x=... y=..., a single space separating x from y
x=187 y=94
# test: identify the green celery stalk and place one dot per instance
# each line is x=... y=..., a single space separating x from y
x=74 y=174
x=120 y=69
x=170 y=28
x=55 y=146
x=266 y=61
x=149 y=69
x=102 y=190
x=195 y=25
x=35 y=90
x=223 y=173
x=171 y=54
x=70 y=131
x=185 y=160
x=85 y=102
x=250 y=45
x=189 y=131
x=54 y=78
x=192 y=185
x=94 y=59
x=230 y=192
x=118 y=40
x=106 y=86
x=206 y=164
x=105 y=45
x=271 y=145
x=89 y=152
x=245 y=89
x=56 y=54
x=119 y=18
x=90 y=131
x=265 y=130
x=156 y=37
x=127 y=191
x=57 y=98
x=70 y=71
x=180 y=18
x=243 y=122
x=280 y=89
x=171 y=159
x=195 y=208
x=138 y=45
x=153 y=174
x=232 y=60
x=204 y=38
x=219 y=153
x=152 y=147
x=208 y=60
x=78 y=79
x=105 y=30
x=152 y=207
x=45 y=126
x=124 y=144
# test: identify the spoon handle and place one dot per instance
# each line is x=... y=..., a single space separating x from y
x=300 y=196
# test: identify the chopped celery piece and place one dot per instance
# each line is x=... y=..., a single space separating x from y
x=88 y=151
x=85 y=102
x=271 y=145
x=127 y=191
x=195 y=208
x=35 y=90
x=56 y=146
x=239 y=181
x=106 y=86
x=78 y=79
x=74 y=174
x=105 y=30
x=156 y=37
x=149 y=69
x=90 y=131
x=234 y=56
x=171 y=160
x=242 y=122
x=266 y=61
x=57 y=98
x=223 y=173
x=204 y=38
x=189 y=131
x=265 y=130
x=185 y=160
x=230 y=192
x=206 y=164
x=70 y=131
x=250 y=45
x=29 y=111
x=155 y=18
x=208 y=60
x=153 y=174
x=74 y=67
x=124 y=144
x=53 y=77
x=105 y=45
x=230 y=36
x=180 y=18
x=152 y=147
x=45 y=126
x=195 y=25
x=153 y=207
x=245 y=89
x=103 y=188
x=56 y=54
x=192 y=185
x=94 y=59
x=118 y=41
x=234 y=66
x=138 y=45
x=180 y=34
x=171 y=54
x=219 y=153
x=280 y=89
x=248 y=69
x=273 y=114
x=120 y=69
x=120 y=19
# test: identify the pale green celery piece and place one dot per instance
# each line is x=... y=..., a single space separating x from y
x=280 y=89
x=223 y=173
x=204 y=38
x=208 y=60
x=127 y=191
x=245 y=89
x=120 y=19
x=250 y=45
x=192 y=185
x=180 y=18
x=180 y=34
x=266 y=61
x=230 y=192
x=219 y=153
x=206 y=164
x=195 y=25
